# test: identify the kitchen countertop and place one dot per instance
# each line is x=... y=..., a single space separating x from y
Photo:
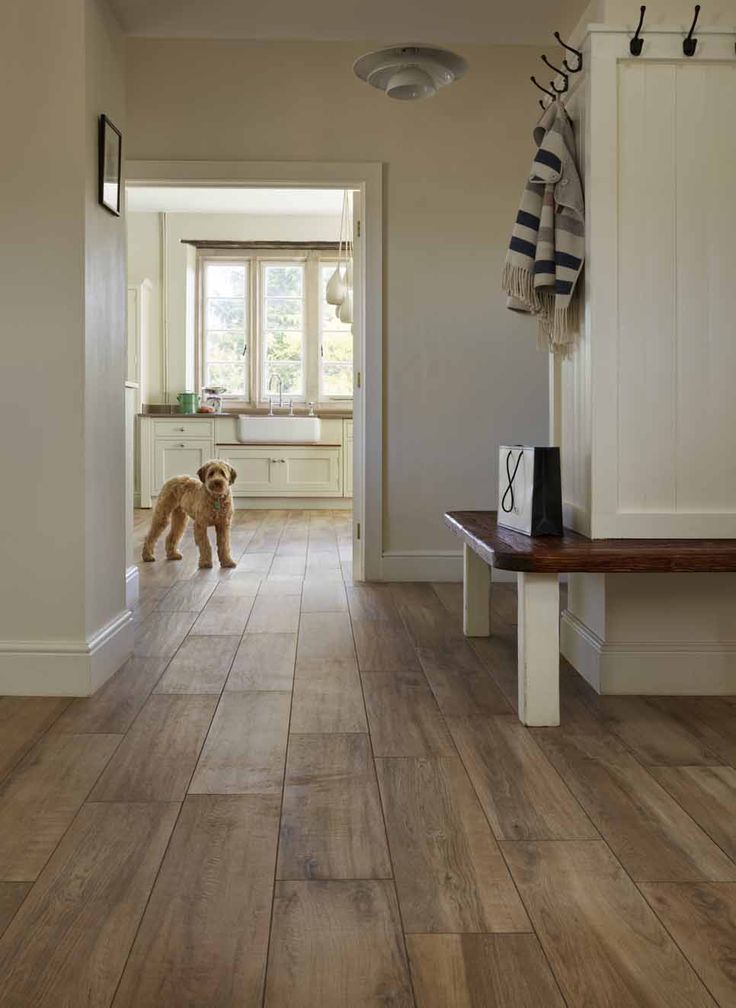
x=175 y=414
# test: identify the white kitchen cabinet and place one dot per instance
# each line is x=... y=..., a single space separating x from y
x=178 y=458
x=285 y=470
x=347 y=456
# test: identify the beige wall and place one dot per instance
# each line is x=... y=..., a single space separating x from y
x=61 y=318
x=462 y=374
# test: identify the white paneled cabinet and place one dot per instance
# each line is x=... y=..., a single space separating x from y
x=285 y=470
x=347 y=444
x=178 y=458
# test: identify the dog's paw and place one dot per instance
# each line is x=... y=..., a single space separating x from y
x=205 y=565
x=148 y=558
x=174 y=556
x=228 y=563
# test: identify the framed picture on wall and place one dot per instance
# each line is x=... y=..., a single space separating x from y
x=110 y=164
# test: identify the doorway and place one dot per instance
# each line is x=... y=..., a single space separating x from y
x=180 y=357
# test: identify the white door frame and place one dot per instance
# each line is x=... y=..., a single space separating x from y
x=367 y=178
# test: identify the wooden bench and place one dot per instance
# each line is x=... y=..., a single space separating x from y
x=539 y=560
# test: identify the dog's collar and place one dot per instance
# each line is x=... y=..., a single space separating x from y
x=217 y=500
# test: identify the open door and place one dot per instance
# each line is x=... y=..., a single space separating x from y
x=358 y=390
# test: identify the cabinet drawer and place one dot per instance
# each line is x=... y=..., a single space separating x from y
x=178 y=458
x=188 y=427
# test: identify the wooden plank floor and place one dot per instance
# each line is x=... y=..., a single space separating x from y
x=307 y=792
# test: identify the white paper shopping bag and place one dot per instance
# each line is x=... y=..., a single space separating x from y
x=529 y=489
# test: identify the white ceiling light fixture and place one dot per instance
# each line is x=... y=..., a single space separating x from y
x=408 y=73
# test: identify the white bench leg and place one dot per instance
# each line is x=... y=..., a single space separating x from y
x=476 y=594
x=539 y=649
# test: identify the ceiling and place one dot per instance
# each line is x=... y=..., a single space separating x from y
x=502 y=22
x=263 y=202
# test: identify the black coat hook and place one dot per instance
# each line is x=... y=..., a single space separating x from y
x=575 y=69
x=637 y=41
x=690 y=44
x=553 y=67
x=536 y=83
x=564 y=87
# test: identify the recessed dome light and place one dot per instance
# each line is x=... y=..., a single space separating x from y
x=410 y=72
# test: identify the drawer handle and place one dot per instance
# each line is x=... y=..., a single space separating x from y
x=182 y=429
x=181 y=446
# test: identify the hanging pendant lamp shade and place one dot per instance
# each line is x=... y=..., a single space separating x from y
x=336 y=287
x=410 y=72
x=345 y=311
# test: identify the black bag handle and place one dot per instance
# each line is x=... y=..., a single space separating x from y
x=510 y=476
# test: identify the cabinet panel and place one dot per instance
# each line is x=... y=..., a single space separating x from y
x=178 y=458
x=310 y=472
x=192 y=427
x=347 y=478
x=257 y=472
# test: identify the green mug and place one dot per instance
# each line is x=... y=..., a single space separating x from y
x=188 y=402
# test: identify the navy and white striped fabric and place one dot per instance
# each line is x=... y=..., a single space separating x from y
x=547 y=245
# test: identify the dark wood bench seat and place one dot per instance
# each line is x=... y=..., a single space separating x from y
x=575 y=553
x=539 y=560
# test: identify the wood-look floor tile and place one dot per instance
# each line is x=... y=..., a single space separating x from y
x=403 y=715
x=323 y=596
x=200 y=665
x=711 y=719
x=450 y=595
x=372 y=602
x=12 y=895
x=504 y=603
x=325 y=637
x=450 y=875
x=654 y=737
x=246 y=746
x=278 y=585
x=41 y=796
x=331 y=825
x=460 y=684
x=288 y=565
x=187 y=596
x=264 y=661
x=204 y=935
x=383 y=646
x=655 y=840
x=68 y=943
x=156 y=758
x=498 y=655
x=224 y=616
x=336 y=944
x=114 y=707
x=481 y=971
x=276 y=614
x=328 y=698
x=162 y=633
x=430 y=626
x=708 y=794
x=253 y=562
x=701 y=917
x=23 y=720
x=244 y=585
x=522 y=795
x=603 y=942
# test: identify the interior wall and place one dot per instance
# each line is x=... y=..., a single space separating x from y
x=462 y=374
x=104 y=337
x=144 y=262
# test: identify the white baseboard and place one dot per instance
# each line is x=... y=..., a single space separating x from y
x=292 y=503
x=649 y=668
x=424 y=566
x=65 y=668
x=132 y=586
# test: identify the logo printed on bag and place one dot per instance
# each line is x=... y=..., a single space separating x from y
x=509 y=491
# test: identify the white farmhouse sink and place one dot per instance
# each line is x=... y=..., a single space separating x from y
x=270 y=429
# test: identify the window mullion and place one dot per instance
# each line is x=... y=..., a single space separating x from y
x=312 y=336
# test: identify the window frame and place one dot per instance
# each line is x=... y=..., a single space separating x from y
x=256 y=395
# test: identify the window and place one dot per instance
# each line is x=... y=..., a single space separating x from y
x=225 y=337
x=282 y=327
x=265 y=318
x=336 y=346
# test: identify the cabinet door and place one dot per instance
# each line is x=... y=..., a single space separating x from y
x=257 y=469
x=347 y=479
x=178 y=458
x=310 y=471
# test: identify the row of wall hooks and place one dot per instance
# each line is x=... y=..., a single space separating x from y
x=564 y=73
x=689 y=43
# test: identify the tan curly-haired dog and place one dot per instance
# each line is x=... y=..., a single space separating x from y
x=208 y=502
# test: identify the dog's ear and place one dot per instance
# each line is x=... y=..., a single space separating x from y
x=233 y=475
x=202 y=471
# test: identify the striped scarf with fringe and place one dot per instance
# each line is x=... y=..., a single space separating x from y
x=547 y=245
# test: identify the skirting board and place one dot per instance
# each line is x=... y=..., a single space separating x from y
x=278 y=503
x=65 y=668
x=651 y=668
x=420 y=566
x=132 y=586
